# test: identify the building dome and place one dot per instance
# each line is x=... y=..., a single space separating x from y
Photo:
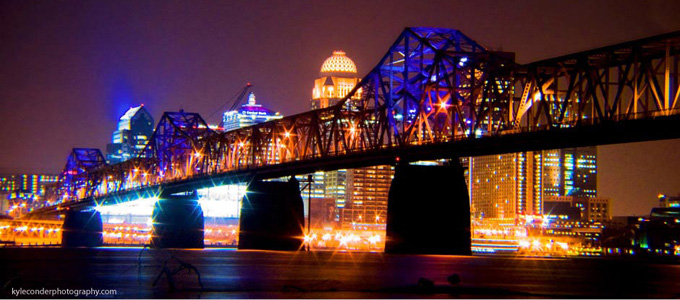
x=338 y=63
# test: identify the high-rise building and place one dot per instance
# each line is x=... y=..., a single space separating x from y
x=368 y=191
x=360 y=194
x=508 y=185
x=22 y=192
x=134 y=129
x=26 y=183
x=338 y=76
x=249 y=114
x=568 y=172
x=496 y=186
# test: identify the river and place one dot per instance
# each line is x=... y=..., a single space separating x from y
x=227 y=273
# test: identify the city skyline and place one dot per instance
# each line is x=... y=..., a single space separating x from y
x=37 y=94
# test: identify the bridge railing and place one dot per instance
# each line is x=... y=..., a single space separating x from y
x=432 y=86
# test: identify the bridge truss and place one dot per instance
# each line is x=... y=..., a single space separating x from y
x=433 y=87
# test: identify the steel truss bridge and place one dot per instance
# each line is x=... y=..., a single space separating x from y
x=436 y=93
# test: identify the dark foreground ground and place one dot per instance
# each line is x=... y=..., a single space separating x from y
x=144 y=273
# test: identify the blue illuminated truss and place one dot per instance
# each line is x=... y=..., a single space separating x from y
x=78 y=172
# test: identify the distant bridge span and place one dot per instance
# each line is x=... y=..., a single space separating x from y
x=435 y=94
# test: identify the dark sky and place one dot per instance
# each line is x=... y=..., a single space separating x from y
x=69 y=69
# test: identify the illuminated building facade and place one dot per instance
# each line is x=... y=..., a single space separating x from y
x=368 y=189
x=506 y=186
x=337 y=78
x=26 y=183
x=324 y=187
x=7 y=184
x=249 y=114
x=594 y=209
x=334 y=186
x=360 y=194
x=591 y=209
x=568 y=172
x=135 y=128
x=23 y=192
x=497 y=185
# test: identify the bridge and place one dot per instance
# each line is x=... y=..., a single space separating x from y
x=436 y=93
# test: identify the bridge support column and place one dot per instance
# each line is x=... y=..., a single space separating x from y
x=178 y=222
x=82 y=229
x=428 y=211
x=272 y=216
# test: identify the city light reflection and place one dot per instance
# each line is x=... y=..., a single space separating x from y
x=349 y=240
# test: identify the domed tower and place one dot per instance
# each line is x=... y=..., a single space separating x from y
x=360 y=194
x=337 y=78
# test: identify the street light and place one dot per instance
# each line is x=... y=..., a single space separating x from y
x=309 y=207
x=308 y=186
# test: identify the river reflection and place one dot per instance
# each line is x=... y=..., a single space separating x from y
x=227 y=273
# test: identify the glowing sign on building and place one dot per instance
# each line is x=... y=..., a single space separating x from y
x=249 y=114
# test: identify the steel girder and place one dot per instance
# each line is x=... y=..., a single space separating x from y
x=632 y=80
x=436 y=85
x=432 y=87
x=173 y=152
x=174 y=145
x=77 y=179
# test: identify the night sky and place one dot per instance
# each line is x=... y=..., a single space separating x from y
x=69 y=69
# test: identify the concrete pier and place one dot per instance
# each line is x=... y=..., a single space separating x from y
x=178 y=222
x=82 y=229
x=272 y=216
x=428 y=211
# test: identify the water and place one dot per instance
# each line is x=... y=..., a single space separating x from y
x=226 y=273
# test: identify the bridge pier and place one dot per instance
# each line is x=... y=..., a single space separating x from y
x=428 y=211
x=272 y=216
x=82 y=229
x=178 y=222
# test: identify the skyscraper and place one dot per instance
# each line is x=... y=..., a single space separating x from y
x=249 y=114
x=134 y=129
x=368 y=189
x=360 y=194
x=507 y=185
x=338 y=76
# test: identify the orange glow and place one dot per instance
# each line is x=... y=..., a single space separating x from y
x=346 y=240
x=339 y=62
x=337 y=79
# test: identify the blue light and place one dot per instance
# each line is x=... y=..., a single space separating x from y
x=121 y=97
